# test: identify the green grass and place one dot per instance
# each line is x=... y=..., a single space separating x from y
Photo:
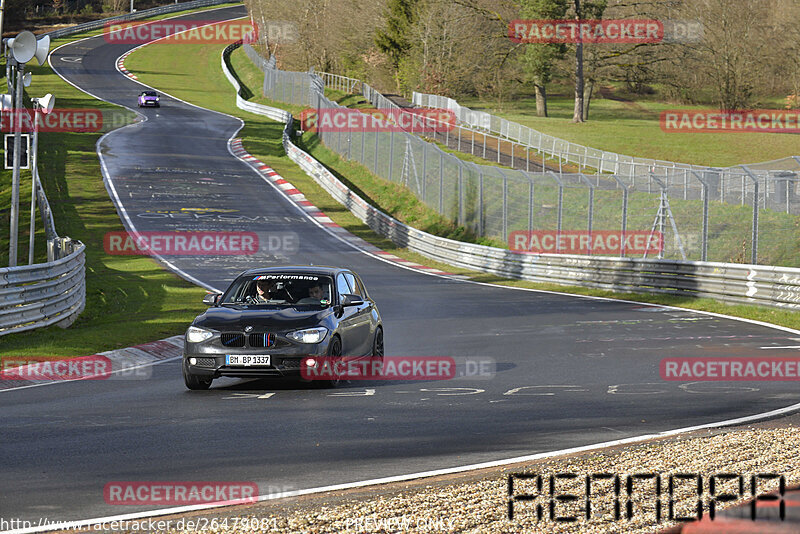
x=632 y=128
x=261 y=137
x=129 y=299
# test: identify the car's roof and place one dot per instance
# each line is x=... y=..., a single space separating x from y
x=295 y=269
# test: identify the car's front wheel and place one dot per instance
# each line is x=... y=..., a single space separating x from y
x=334 y=355
x=195 y=382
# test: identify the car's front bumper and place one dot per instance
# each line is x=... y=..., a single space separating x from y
x=284 y=361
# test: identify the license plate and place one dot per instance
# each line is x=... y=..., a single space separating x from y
x=246 y=360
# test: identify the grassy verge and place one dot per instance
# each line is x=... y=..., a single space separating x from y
x=629 y=124
x=129 y=299
x=261 y=137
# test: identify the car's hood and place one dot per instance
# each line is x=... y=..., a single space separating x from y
x=235 y=319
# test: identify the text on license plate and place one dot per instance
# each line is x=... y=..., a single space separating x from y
x=242 y=359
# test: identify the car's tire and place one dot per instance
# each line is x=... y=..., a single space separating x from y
x=195 y=382
x=377 y=349
x=334 y=353
x=377 y=344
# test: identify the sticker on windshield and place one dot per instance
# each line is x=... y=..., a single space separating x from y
x=286 y=277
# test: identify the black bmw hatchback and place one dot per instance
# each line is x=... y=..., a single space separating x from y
x=268 y=320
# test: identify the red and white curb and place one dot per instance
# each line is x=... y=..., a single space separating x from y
x=315 y=213
x=130 y=363
x=121 y=65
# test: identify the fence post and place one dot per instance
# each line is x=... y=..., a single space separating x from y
x=530 y=204
x=460 y=194
x=424 y=170
x=391 y=153
x=441 y=182
x=481 y=228
x=754 y=255
x=377 y=136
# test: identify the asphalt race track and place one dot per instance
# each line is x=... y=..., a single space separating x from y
x=570 y=371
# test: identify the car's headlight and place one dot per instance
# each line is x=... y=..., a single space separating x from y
x=311 y=335
x=196 y=335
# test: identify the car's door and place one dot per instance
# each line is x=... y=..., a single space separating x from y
x=362 y=327
x=348 y=320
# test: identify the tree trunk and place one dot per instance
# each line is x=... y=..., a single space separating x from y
x=587 y=98
x=577 y=114
x=541 y=100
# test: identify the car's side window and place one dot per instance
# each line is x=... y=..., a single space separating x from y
x=356 y=287
x=341 y=286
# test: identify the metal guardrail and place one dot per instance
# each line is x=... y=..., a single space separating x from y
x=728 y=282
x=145 y=13
x=34 y=296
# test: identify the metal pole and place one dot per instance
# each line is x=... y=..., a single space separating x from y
x=12 y=245
x=505 y=207
x=481 y=229
x=704 y=255
x=461 y=194
x=441 y=182
x=34 y=180
x=754 y=258
x=560 y=214
x=391 y=153
x=530 y=205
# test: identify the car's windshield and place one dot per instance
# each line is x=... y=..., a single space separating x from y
x=280 y=289
x=149 y=93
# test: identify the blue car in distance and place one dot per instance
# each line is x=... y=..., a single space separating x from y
x=148 y=99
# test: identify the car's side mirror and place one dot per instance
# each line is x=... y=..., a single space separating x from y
x=351 y=300
x=211 y=299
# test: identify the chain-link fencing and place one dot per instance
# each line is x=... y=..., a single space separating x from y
x=742 y=214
